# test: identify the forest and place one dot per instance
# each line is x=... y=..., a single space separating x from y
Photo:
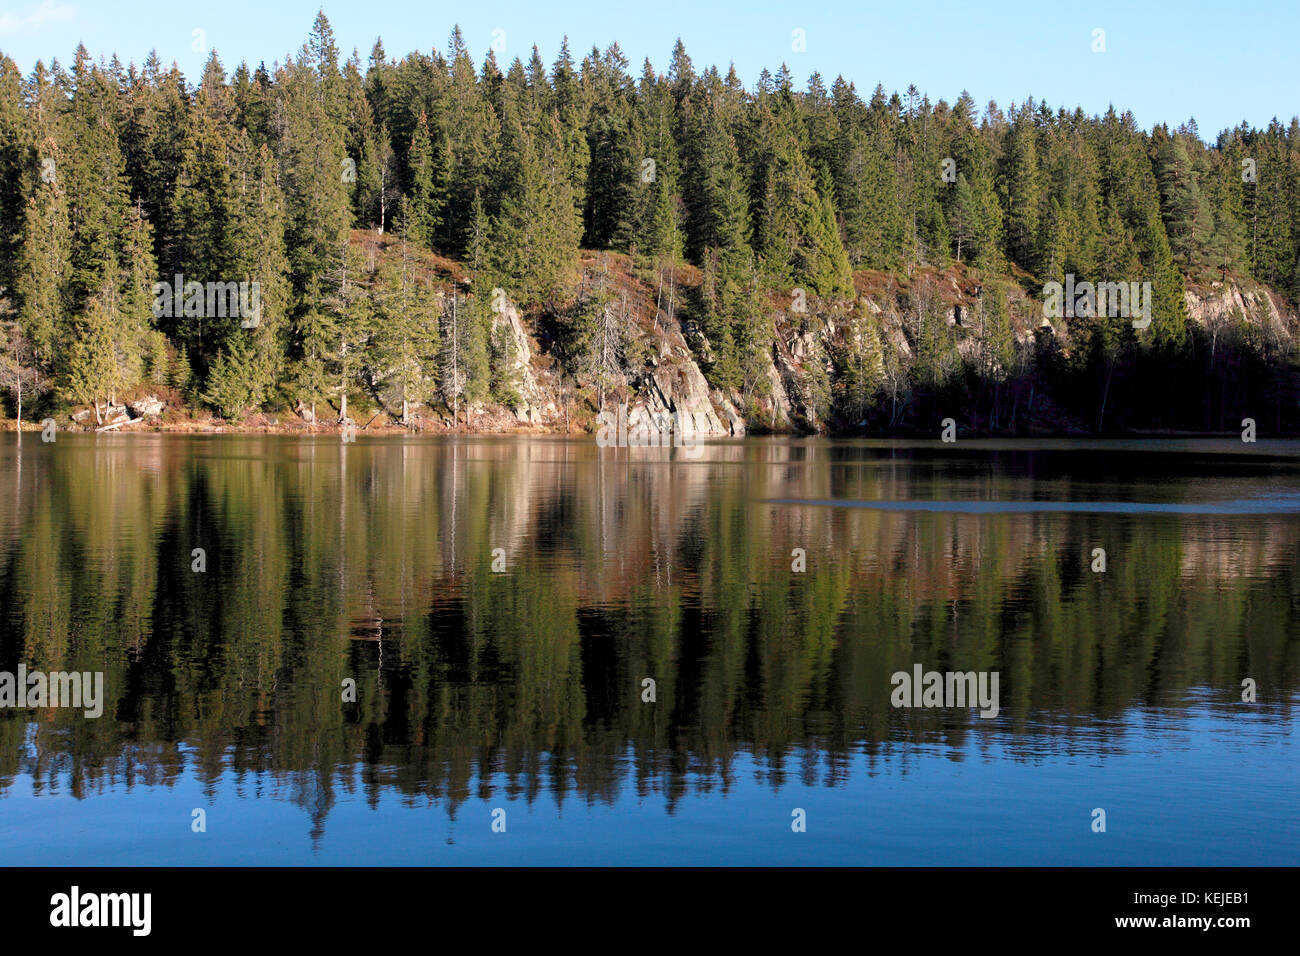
x=753 y=216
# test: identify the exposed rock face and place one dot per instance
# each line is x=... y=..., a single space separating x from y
x=673 y=385
x=678 y=387
x=735 y=421
x=1225 y=304
x=538 y=404
x=148 y=407
x=801 y=338
x=785 y=376
x=670 y=386
x=665 y=387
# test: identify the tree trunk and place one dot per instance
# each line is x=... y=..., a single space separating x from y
x=1101 y=417
x=659 y=298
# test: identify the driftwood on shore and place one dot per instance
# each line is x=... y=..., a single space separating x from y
x=118 y=424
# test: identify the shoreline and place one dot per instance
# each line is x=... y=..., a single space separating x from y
x=391 y=430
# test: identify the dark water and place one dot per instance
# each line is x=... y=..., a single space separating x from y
x=522 y=690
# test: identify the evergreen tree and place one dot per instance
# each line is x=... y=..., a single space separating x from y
x=44 y=273
x=91 y=373
x=426 y=203
x=96 y=182
x=13 y=157
x=1021 y=190
x=406 y=329
x=1188 y=219
x=864 y=372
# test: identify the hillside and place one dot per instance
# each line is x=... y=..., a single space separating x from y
x=433 y=243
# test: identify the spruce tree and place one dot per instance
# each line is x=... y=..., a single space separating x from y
x=44 y=273
x=1022 y=192
x=426 y=204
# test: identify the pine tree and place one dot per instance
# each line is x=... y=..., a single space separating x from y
x=963 y=216
x=1188 y=219
x=660 y=237
x=1168 y=297
x=351 y=324
x=233 y=385
x=154 y=132
x=202 y=206
x=465 y=352
x=426 y=204
x=143 y=348
x=96 y=182
x=1022 y=192
x=101 y=359
x=864 y=372
x=43 y=280
x=252 y=349
x=13 y=156
x=718 y=213
x=534 y=237
x=405 y=349
x=316 y=175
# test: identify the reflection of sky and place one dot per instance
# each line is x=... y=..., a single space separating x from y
x=1179 y=787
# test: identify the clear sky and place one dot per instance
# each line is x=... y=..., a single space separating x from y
x=1219 y=62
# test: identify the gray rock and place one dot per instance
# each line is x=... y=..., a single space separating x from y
x=148 y=407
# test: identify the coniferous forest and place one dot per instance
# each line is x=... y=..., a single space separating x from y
x=830 y=259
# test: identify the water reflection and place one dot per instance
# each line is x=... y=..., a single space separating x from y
x=373 y=562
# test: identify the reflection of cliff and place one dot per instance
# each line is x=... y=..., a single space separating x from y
x=374 y=561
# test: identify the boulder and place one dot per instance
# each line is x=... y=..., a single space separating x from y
x=148 y=407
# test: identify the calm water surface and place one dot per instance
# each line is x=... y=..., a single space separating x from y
x=521 y=690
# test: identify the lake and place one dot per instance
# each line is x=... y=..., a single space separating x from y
x=510 y=650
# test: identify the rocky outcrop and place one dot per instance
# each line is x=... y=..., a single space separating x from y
x=537 y=404
x=150 y=406
x=668 y=389
x=678 y=388
x=1221 y=305
x=671 y=388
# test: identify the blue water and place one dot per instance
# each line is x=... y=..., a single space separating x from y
x=1182 y=789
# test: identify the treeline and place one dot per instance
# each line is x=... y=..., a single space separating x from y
x=113 y=178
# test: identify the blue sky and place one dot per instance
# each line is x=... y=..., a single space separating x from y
x=1220 y=63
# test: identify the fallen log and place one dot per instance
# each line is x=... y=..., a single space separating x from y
x=128 y=421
